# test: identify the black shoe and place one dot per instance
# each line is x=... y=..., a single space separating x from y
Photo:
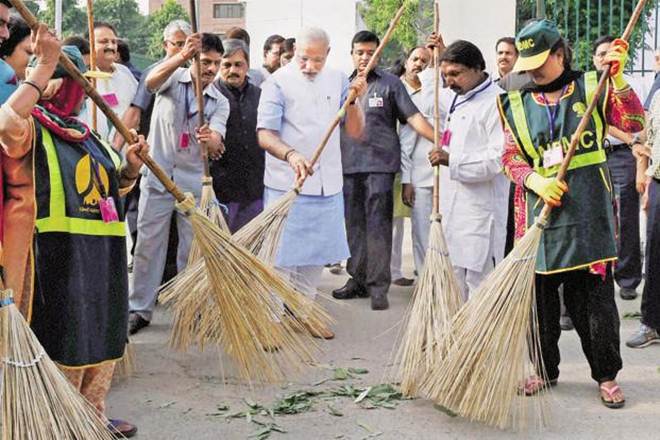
x=350 y=291
x=628 y=294
x=136 y=323
x=379 y=302
x=121 y=428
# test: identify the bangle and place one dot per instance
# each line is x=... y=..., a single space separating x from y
x=35 y=86
x=288 y=153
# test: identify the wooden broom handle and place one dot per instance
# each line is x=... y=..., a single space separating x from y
x=352 y=95
x=604 y=77
x=72 y=70
x=199 y=93
x=92 y=54
x=436 y=109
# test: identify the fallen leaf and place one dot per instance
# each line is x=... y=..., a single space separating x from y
x=340 y=374
x=334 y=411
x=364 y=394
x=358 y=370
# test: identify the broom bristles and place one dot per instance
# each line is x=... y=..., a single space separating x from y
x=125 y=367
x=436 y=299
x=246 y=298
x=493 y=347
x=210 y=207
x=38 y=402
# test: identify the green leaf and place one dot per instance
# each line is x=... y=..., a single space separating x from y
x=223 y=407
x=358 y=370
x=340 y=374
x=445 y=410
x=362 y=395
x=334 y=411
x=632 y=315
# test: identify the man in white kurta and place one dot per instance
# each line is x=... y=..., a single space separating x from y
x=473 y=190
x=297 y=105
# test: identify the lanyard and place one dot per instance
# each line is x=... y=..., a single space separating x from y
x=455 y=105
x=552 y=115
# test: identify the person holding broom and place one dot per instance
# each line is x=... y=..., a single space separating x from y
x=578 y=245
x=66 y=260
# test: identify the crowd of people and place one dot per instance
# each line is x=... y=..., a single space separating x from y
x=70 y=181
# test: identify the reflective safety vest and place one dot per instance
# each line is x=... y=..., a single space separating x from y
x=67 y=197
x=581 y=231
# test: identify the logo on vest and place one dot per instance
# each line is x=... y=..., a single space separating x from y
x=587 y=141
x=525 y=44
x=579 y=108
x=86 y=186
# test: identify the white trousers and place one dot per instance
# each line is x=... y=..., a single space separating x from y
x=308 y=277
x=397 y=248
x=421 y=224
x=154 y=217
x=469 y=280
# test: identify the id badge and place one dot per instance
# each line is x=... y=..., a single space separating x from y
x=184 y=140
x=376 y=101
x=108 y=210
x=446 y=138
x=553 y=156
x=111 y=99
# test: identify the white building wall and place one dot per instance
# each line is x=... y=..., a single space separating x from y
x=286 y=17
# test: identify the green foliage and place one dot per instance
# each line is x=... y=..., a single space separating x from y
x=74 y=18
x=415 y=25
x=125 y=16
x=171 y=10
x=33 y=6
x=582 y=22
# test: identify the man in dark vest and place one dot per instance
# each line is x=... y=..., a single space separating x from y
x=577 y=247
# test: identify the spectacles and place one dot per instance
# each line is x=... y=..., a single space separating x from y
x=179 y=44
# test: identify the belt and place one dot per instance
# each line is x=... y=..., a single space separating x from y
x=611 y=148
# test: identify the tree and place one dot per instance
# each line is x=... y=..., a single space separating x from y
x=591 y=20
x=125 y=16
x=416 y=23
x=171 y=10
x=74 y=19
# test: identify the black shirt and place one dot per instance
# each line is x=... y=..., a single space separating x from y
x=239 y=175
x=385 y=102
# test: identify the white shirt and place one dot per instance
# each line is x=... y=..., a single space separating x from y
x=120 y=87
x=301 y=110
x=473 y=189
x=415 y=165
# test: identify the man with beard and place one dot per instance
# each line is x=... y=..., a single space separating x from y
x=176 y=140
x=473 y=195
x=369 y=166
x=117 y=87
x=238 y=177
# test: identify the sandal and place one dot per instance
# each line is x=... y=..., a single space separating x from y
x=534 y=385
x=611 y=391
x=121 y=428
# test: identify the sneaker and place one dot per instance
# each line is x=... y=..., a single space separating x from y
x=628 y=294
x=644 y=337
x=566 y=323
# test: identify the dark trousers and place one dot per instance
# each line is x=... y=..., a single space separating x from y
x=590 y=302
x=628 y=268
x=368 y=200
x=511 y=221
x=651 y=295
x=239 y=214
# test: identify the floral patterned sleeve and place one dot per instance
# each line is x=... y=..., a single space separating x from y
x=625 y=111
x=515 y=165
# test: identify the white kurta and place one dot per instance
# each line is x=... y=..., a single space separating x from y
x=474 y=193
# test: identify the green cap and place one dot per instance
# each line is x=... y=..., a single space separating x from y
x=73 y=53
x=534 y=42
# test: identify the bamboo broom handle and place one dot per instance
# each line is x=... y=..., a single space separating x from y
x=72 y=70
x=604 y=77
x=436 y=109
x=198 y=89
x=92 y=54
x=352 y=94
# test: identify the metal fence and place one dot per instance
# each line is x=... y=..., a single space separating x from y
x=583 y=21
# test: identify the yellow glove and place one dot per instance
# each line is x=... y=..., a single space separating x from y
x=548 y=188
x=616 y=57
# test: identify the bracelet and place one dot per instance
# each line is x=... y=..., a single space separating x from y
x=288 y=153
x=36 y=87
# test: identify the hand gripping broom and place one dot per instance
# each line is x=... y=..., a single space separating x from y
x=247 y=291
x=38 y=401
x=194 y=317
x=495 y=335
x=436 y=297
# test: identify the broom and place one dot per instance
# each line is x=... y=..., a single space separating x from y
x=247 y=291
x=495 y=343
x=194 y=317
x=38 y=401
x=437 y=296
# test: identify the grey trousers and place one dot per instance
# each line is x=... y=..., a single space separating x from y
x=154 y=216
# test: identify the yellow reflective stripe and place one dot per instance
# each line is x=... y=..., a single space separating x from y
x=81 y=226
x=57 y=221
x=578 y=161
x=591 y=83
x=520 y=121
x=115 y=157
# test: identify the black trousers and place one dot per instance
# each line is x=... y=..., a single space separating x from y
x=651 y=295
x=368 y=201
x=628 y=268
x=590 y=302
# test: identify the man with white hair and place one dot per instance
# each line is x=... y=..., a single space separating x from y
x=298 y=103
